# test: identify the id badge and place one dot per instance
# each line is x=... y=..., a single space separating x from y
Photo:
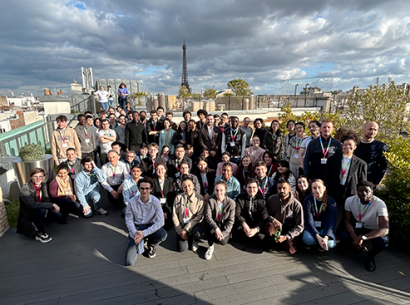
x=359 y=225
x=186 y=220
x=177 y=174
x=323 y=161
x=163 y=200
x=318 y=224
x=87 y=140
x=153 y=171
x=296 y=156
x=232 y=144
x=64 y=145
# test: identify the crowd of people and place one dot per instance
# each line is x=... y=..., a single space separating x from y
x=212 y=179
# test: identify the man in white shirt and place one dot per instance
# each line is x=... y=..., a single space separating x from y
x=372 y=222
x=115 y=173
x=102 y=97
x=144 y=219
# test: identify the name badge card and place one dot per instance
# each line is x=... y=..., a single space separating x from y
x=87 y=140
x=186 y=220
x=232 y=143
x=177 y=174
x=296 y=156
x=163 y=200
x=318 y=224
x=64 y=145
x=359 y=225
x=323 y=160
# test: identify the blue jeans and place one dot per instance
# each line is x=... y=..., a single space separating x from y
x=110 y=103
x=311 y=240
x=104 y=106
x=378 y=244
x=93 y=197
x=235 y=160
x=131 y=254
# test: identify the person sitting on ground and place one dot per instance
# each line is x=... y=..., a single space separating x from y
x=87 y=186
x=267 y=186
x=303 y=188
x=163 y=189
x=36 y=208
x=255 y=152
x=372 y=222
x=184 y=170
x=144 y=219
x=286 y=217
x=220 y=217
x=115 y=172
x=250 y=213
x=61 y=192
x=226 y=158
x=187 y=215
x=129 y=187
x=206 y=178
x=73 y=163
x=233 y=185
x=283 y=171
x=320 y=213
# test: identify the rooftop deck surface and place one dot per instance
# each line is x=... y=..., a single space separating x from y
x=84 y=264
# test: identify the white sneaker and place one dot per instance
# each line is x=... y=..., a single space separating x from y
x=102 y=212
x=209 y=252
x=194 y=246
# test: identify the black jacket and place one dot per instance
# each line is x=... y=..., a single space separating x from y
x=28 y=204
x=258 y=211
x=150 y=127
x=172 y=168
x=210 y=176
x=148 y=168
x=134 y=134
x=357 y=172
x=168 y=191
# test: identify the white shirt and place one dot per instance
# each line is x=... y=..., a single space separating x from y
x=106 y=147
x=121 y=173
x=102 y=96
x=370 y=218
x=345 y=162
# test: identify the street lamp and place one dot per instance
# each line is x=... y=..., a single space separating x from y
x=296 y=99
x=306 y=92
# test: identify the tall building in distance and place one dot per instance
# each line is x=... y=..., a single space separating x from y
x=184 y=81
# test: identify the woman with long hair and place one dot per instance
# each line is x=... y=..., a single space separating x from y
x=164 y=191
x=303 y=188
x=165 y=153
x=271 y=167
x=260 y=129
x=206 y=177
x=165 y=137
x=244 y=172
x=283 y=171
x=274 y=141
x=255 y=152
x=180 y=136
x=320 y=213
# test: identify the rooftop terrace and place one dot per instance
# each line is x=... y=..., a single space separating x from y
x=84 y=265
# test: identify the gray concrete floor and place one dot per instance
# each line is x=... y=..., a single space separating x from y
x=84 y=265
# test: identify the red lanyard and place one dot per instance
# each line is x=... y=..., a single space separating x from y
x=327 y=149
x=365 y=209
x=264 y=187
x=320 y=210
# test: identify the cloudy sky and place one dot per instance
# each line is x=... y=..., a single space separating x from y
x=44 y=43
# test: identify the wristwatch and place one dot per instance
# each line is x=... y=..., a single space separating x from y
x=258 y=229
x=364 y=237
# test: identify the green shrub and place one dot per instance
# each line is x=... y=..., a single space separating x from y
x=32 y=152
x=12 y=210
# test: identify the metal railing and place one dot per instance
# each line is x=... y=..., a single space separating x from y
x=81 y=103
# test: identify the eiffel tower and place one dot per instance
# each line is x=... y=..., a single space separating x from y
x=184 y=81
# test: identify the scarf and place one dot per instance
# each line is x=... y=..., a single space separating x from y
x=65 y=187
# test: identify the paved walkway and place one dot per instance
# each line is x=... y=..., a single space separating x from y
x=84 y=265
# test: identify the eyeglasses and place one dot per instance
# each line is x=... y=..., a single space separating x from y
x=145 y=188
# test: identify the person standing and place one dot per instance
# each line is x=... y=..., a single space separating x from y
x=372 y=152
x=62 y=138
x=267 y=186
x=111 y=95
x=210 y=137
x=154 y=126
x=219 y=218
x=107 y=137
x=314 y=129
x=135 y=133
x=122 y=95
x=255 y=152
x=274 y=142
x=293 y=148
x=248 y=130
x=85 y=134
x=192 y=137
x=166 y=135
x=234 y=141
x=290 y=125
x=73 y=163
x=202 y=114
x=318 y=152
x=102 y=98
x=174 y=162
x=144 y=220
x=120 y=130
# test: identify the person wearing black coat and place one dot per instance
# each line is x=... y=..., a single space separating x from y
x=154 y=126
x=152 y=159
x=163 y=189
x=174 y=162
x=35 y=205
x=260 y=129
x=344 y=171
x=210 y=137
x=206 y=177
x=135 y=133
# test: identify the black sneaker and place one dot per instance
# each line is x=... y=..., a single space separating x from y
x=370 y=265
x=43 y=237
x=152 y=252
